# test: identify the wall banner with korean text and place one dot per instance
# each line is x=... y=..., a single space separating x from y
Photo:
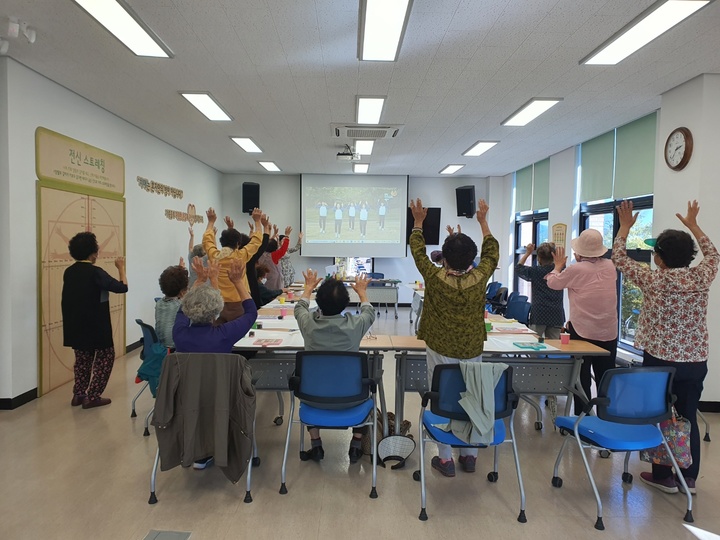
x=59 y=158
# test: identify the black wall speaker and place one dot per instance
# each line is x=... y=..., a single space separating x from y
x=465 y=200
x=250 y=196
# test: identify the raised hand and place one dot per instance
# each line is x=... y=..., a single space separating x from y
x=181 y=264
x=229 y=222
x=482 y=211
x=559 y=258
x=449 y=230
x=236 y=273
x=252 y=226
x=275 y=231
x=311 y=280
x=529 y=249
x=361 y=282
x=190 y=230
x=200 y=270
x=419 y=213
x=300 y=236
x=120 y=263
x=211 y=215
x=256 y=215
x=213 y=271
x=288 y=230
x=690 y=219
x=625 y=215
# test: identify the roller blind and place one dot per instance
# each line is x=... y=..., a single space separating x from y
x=635 y=158
x=523 y=189
x=541 y=185
x=597 y=168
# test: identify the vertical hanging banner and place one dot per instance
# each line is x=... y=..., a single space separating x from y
x=62 y=159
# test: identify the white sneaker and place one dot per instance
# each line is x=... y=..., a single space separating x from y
x=203 y=463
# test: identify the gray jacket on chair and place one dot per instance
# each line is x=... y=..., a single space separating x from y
x=205 y=406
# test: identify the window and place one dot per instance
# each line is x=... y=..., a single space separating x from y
x=529 y=229
x=602 y=217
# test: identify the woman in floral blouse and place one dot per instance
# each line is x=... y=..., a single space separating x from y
x=672 y=330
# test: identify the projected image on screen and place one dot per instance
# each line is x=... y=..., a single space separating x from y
x=339 y=219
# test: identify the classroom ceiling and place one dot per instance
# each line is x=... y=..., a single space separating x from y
x=286 y=70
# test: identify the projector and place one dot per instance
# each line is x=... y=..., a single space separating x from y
x=348 y=156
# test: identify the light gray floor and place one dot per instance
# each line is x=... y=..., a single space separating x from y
x=70 y=473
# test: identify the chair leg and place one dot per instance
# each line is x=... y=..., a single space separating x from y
x=248 y=496
x=283 y=488
x=599 y=522
x=538 y=411
x=423 y=514
x=373 y=491
x=281 y=409
x=153 y=475
x=626 y=476
x=521 y=517
x=146 y=433
x=701 y=416
x=688 y=514
x=133 y=414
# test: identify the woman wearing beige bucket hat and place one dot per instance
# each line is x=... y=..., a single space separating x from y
x=591 y=285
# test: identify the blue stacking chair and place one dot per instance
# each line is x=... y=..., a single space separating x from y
x=149 y=340
x=337 y=390
x=630 y=405
x=518 y=310
x=492 y=289
x=443 y=398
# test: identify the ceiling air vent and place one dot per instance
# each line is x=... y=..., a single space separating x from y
x=356 y=131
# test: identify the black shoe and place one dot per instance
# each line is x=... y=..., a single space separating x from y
x=316 y=454
x=355 y=454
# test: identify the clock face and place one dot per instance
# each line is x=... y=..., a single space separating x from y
x=678 y=149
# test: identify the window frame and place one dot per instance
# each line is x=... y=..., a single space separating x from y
x=526 y=217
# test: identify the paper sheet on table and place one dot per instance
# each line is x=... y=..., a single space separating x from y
x=504 y=343
x=275 y=304
x=288 y=340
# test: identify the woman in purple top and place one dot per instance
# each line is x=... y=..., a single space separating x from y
x=194 y=329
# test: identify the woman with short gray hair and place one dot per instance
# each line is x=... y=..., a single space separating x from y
x=194 y=329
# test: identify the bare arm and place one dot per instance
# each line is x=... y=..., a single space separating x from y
x=528 y=251
x=191 y=243
x=481 y=216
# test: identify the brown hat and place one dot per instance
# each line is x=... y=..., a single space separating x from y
x=589 y=244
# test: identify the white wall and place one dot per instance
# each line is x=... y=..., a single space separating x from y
x=695 y=106
x=152 y=241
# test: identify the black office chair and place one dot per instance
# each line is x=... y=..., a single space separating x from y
x=499 y=301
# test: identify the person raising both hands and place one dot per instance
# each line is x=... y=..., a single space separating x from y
x=672 y=328
x=328 y=329
x=453 y=321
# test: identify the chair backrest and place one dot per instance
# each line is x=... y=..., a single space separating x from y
x=448 y=383
x=492 y=289
x=500 y=296
x=518 y=310
x=149 y=337
x=332 y=379
x=636 y=395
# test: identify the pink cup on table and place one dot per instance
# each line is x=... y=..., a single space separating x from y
x=283 y=312
x=290 y=295
x=565 y=338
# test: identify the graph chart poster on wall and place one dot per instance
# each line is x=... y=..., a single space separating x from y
x=346 y=216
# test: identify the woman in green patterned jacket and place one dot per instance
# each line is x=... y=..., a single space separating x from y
x=453 y=321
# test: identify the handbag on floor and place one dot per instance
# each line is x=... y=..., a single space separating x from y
x=676 y=430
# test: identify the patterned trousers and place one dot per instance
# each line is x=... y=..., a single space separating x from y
x=95 y=362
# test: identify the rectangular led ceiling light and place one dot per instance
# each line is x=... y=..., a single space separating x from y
x=369 y=109
x=360 y=167
x=364 y=148
x=479 y=148
x=530 y=111
x=382 y=25
x=247 y=144
x=653 y=22
x=205 y=103
x=269 y=166
x=451 y=169
x=122 y=22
